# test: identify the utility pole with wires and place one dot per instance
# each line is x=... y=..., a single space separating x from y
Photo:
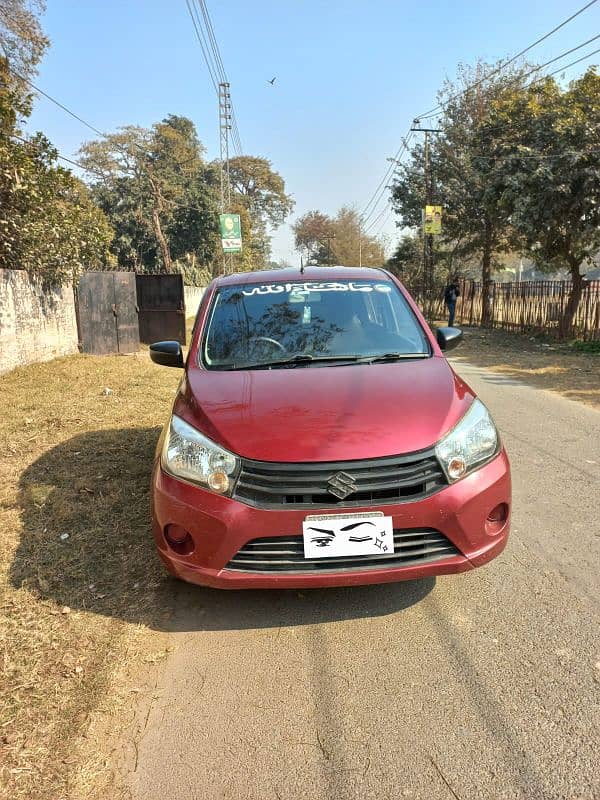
x=224 y=128
x=360 y=233
x=427 y=284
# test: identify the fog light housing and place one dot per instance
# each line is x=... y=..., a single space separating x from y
x=496 y=519
x=179 y=540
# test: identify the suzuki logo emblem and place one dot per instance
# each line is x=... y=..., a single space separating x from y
x=341 y=485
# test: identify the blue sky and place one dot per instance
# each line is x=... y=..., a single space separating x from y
x=350 y=77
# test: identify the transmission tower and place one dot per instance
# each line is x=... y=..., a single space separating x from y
x=224 y=128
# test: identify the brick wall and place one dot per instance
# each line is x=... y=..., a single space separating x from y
x=35 y=325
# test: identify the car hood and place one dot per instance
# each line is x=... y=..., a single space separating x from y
x=309 y=414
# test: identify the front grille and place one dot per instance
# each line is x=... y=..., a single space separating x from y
x=286 y=554
x=378 y=480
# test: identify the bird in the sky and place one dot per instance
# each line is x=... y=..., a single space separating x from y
x=272 y=81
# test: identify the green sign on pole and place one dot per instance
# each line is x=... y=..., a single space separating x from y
x=231 y=233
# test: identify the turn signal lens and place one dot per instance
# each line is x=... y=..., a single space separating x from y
x=218 y=481
x=457 y=468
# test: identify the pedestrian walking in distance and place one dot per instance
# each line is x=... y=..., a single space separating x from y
x=451 y=292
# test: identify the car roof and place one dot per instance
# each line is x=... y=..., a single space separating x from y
x=310 y=273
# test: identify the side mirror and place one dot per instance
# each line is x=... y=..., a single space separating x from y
x=168 y=354
x=448 y=338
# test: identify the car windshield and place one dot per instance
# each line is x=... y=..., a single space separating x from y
x=292 y=324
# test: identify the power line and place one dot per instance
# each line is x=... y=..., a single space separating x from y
x=84 y=121
x=56 y=102
x=213 y=39
x=92 y=171
x=205 y=33
x=431 y=112
x=378 y=193
x=237 y=143
x=193 y=11
x=58 y=155
x=564 y=67
x=547 y=156
x=535 y=69
x=377 y=218
x=72 y=113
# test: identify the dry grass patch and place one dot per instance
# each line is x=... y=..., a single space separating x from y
x=547 y=365
x=82 y=594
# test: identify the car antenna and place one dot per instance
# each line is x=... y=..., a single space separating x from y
x=301 y=266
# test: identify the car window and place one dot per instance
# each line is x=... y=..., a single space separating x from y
x=259 y=323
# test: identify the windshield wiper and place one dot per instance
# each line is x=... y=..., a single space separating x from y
x=307 y=358
x=292 y=361
x=391 y=357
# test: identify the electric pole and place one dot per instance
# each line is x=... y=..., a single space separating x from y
x=327 y=238
x=359 y=243
x=224 y=128
x=428 y=265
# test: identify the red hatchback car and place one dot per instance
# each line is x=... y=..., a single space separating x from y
x=320 y=438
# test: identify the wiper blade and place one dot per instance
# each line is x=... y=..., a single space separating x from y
x=299 y=358
x=391 y=357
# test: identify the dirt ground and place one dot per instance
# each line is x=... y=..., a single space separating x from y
x=83 y=599
x=545 y=364
x=82 y=595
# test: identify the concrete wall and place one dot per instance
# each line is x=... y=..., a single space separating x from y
x=193 y=295
x=35 y=325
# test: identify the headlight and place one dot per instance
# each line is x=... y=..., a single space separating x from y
x=190 y=455
x=471 y=442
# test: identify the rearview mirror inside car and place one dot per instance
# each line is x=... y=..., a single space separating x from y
x=168 y=354
x=448 y=338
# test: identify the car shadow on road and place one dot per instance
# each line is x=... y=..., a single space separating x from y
x=209 y=609
x=86 y=543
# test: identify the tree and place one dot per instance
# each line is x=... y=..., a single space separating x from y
x=22 y=41
x=49 y=224
x=407 y=260
x=546 y=139
x=351 y=245
x=312 y=233
x=158 y=192
x=407 y=263
x=261 y=192
x=474 y=222
x=336 y=240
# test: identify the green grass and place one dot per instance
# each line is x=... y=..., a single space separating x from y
x=591 y=348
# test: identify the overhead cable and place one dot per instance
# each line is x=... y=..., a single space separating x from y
x=431 y=111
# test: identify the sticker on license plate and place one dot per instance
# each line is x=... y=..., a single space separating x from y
x=338 y=535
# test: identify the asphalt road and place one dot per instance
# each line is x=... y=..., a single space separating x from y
x=481 y=685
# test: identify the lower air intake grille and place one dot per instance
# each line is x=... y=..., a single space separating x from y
x=286 y=554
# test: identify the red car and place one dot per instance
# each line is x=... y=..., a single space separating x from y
x=320 y=438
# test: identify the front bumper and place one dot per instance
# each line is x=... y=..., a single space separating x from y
x=221 y=526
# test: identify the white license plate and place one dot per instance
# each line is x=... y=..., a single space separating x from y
x=335 y=535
